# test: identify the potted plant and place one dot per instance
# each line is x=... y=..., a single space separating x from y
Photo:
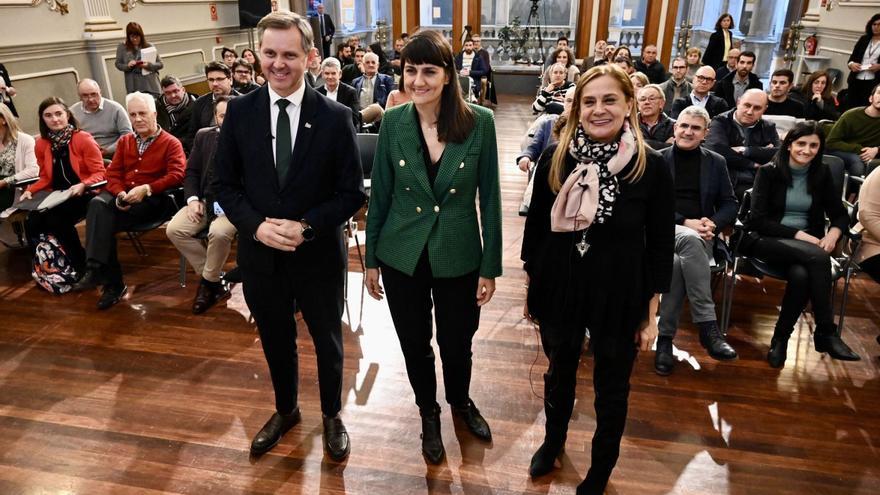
x=513 y=39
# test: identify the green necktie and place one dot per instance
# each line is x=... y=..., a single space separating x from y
x=283 y=146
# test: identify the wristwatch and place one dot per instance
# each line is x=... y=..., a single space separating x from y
x=308 y=232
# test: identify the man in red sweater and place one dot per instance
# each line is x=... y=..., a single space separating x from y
x=145 y=164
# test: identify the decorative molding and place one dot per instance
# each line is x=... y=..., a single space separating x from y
x=128 y=5
x=53 y=72
x=59 y=6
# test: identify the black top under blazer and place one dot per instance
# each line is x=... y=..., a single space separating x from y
x=717 y=201
x=324 y=185
x=630 y=258
x=768 y=206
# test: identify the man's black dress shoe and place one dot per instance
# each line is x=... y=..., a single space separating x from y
x=111 y=295
x=664 y=360
x=835 y=347
x=778 y=352
x=208 y=294
x=713 y=341
x=91 y=278
x=474 y=420
x=432 y=440
x=273 y=430
x=336 y=438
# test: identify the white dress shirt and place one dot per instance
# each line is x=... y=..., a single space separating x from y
x=293 y=111
x=332 y=94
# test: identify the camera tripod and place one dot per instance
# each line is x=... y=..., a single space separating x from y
x=534 y=22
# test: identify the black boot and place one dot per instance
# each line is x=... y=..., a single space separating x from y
x=778 y=347
x=713 y=341
x=544 y=459
x=827 y=340
x=92 y=278
x=664 y=361
x=474 y=421
x=432 y=440
x=594 y=483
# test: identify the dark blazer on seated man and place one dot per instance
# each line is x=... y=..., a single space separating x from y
x=348 y=96
x=724 y=87
x=760 y=147
x=716 y=192
x=714 y=105
x=382 y=87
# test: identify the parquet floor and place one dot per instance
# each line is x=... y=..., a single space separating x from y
x=147 y=398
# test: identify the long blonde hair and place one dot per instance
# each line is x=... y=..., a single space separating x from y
x=12 y=128
x=557 y=166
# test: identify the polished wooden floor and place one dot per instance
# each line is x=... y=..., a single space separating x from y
x=147 y=398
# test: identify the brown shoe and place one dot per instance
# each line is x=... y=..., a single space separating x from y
x=207 y=295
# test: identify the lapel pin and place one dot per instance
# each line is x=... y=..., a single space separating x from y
x=308 y=126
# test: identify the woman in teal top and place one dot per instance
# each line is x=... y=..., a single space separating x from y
x=790 y=200
x=435 y=155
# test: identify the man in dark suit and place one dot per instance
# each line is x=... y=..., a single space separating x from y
x=219 y=77
x=744 y=139
x=700 y=95
x=650 y=66
x=373 y=89
x=339 y=92
x=704 y=205
x=738 y=82
x=327 y=30
x=288 y=176
x=469 y=64
x=355 y=69
x=174 y=110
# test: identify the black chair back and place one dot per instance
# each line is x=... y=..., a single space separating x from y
x=367 y=146
x=837 y=169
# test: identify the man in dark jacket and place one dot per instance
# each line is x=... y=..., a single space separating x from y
x=656 y=127
x=354 y=70
x=219 y=78
x=738 y=82
x=700 y=95
x=470 y=64
x=338 y=91
x=704 y=205
x=174 y=110
x=744 y=139
x=650 y=66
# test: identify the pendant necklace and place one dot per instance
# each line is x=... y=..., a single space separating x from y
x=583 y=246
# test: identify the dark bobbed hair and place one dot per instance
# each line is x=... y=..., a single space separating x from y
x=718 y=22
x=807 y=88
x=257 y=69
x=874 y=18
x=48 y=102
x=135 y=28
x=456 y=119
x=225 y=50
x=817 y=168
x=629 y=53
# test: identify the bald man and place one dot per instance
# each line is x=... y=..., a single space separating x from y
x=744 y=139
x=104 y=119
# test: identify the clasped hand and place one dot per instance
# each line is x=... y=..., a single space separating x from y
x=827 y=243
x=134 y=196
x=704 y=227
x=281 y=234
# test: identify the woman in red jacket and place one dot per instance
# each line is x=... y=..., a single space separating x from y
x=69 y=158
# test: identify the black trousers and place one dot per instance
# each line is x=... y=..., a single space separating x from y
x=104 y=219
x=410 y=299
x=61 y=222
x=611 y=374
x=272 y=299
x=871 y=266
x=809 y=280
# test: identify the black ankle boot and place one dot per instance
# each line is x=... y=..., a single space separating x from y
x=544 y=459
x=432 y=440
x=778 y=352
x=713 y=341
x=827 y=340
x=664 y=360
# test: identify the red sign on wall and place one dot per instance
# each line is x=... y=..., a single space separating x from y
x=213 y=8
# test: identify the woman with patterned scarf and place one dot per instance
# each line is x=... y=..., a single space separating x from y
x=69 y=158
x=598 y=249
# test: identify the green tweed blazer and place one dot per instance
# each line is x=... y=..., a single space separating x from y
x=406 y=213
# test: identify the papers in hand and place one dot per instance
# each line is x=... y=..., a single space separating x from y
x=43 y=200
x=148 y=55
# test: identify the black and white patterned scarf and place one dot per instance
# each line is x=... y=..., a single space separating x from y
x=59 y=139
x=586 y=150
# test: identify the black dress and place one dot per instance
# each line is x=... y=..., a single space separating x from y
x=630 y=258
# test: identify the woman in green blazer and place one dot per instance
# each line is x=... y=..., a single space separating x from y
x=434 y=156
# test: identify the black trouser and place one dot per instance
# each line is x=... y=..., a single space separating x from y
x=61 y=222
x=611 y=375
x=808 y=276
x=859 y=92
x=273 y=299
x=104 y=219
x=410 y=299
x=871 y=266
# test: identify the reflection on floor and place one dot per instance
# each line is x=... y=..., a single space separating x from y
x=147 y=398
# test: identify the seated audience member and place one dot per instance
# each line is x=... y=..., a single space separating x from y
x=868 y=255
x=104 y=119
x=780 y=101
x=692 y=57
x=344 y=54
x=487 y=85
x=622 y=51
x=354 y=70
x=313 y=75
x=354 y=41
x=738 y=82
x=855 y=138
x=174 y=110
x=145 y=165
x=657 y=127
x=468 y=64
x=395 y=57
x=202 y=212
x=700 y=96
x=373 y=89
x=243 y=77
x=786 y=225
x=550 y=98
x=639 y=80
x=561 y=43
x=598 y=57
x=625 y=64
x=219 y=78
x=228 y=56
x=650 y=66
x=565 y=57
x=17 y=159
x=704 y=205
x=730 y=66
x=385 y=66
x=677 y=86
x=339 y=92
x=744 y=139
x=69 y=158
x=254 y=59
x=816 y=92
x=610 y=50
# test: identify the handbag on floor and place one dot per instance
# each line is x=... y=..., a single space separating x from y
x=52 y=269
